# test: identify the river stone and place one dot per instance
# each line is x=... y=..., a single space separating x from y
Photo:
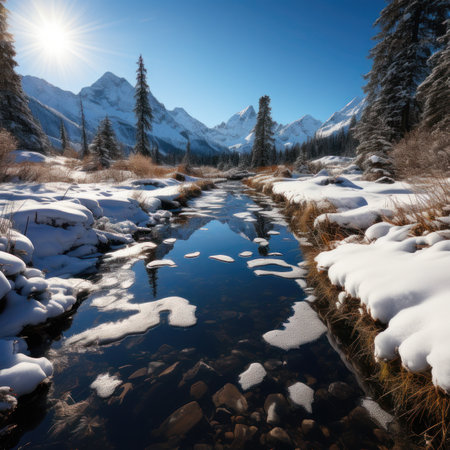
x=279 y=436
x=308 y=425
x=182 y=420
x=276 y=407
x=198 y=389
x=341 y=390
x=139 y=373
x=153 y=366
x=241 y=435
x=171 y=370
x=230 y=396
x=201 y=371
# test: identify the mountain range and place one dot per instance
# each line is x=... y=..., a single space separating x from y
x=114 y=96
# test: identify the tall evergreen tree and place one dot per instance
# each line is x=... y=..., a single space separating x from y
x=142 y=110
x=63 y=136
x=264 y=140
x=84 y=142
x=104 y=146
x=434 y=93
x=15 y=114
x=408 y=32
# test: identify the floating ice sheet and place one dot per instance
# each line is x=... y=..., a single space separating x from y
x=302 y=395
x=253 y=376
x=301 y=328
x=161 y=263
x=223 y=258
x=105 y=384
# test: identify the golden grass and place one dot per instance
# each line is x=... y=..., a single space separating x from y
x=193 y=190
x=142 y=166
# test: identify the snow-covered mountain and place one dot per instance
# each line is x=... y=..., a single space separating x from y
x=342 y=118
x=237 y=133
x=114 y=96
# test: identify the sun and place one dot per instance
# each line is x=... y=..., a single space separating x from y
x=55 y=36
x=53 y=39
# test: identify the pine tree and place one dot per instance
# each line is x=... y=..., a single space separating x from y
x=15 y=114
x=264 y=140
x=105 y=147
x=63 y=136
x=142 y=110
x=84 y=143
x=187 y=156
x=408 y=31
x=434 y=92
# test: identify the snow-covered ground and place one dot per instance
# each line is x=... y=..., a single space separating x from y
x=403 y=280
x=50 y=234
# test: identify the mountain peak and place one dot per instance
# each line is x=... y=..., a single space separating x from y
x=247 y=112
x=108 y=78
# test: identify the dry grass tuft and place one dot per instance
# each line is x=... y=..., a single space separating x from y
x=141 y=166
x=430 y=203
x=193 y=190
x=422 y=154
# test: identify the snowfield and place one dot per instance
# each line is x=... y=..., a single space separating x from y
x=51 y=232
x=402 y=280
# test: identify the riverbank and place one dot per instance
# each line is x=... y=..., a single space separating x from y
x=378 y=256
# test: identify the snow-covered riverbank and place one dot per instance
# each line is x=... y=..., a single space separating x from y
x=50 y=234
x=399 y=273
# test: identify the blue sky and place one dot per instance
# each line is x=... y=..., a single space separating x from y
x=214 y=57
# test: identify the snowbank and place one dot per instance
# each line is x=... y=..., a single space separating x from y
x=404 y=282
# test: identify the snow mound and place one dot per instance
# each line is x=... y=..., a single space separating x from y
x=404 y=282
x=131 y=251
x=301 y=328
x=18 y=371
x=253 y=376
x=377 y=413
x=105 y=385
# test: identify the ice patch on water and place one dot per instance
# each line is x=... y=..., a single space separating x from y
x=161 y=263
x=273 y=232
x=295 y=272
x=181 y=314
x=105 y=385
x=302 y=395
x=302 y=327
x=377 y=413
x=169 y=241
x=245 y=254
x=130 y=252
x=223 y=258
x=252 y=376
x=261 y=241
x=192 y=255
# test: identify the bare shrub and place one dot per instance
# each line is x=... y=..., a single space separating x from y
x=430 y=202
x=7 y=144
x=422 y=154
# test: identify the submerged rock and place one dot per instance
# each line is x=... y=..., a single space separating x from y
x=230 y=397
x=279 y=436
x=182 y=420
x=276 y=407
x=198 y=389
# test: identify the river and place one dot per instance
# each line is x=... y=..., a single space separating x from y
x=166 y=367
